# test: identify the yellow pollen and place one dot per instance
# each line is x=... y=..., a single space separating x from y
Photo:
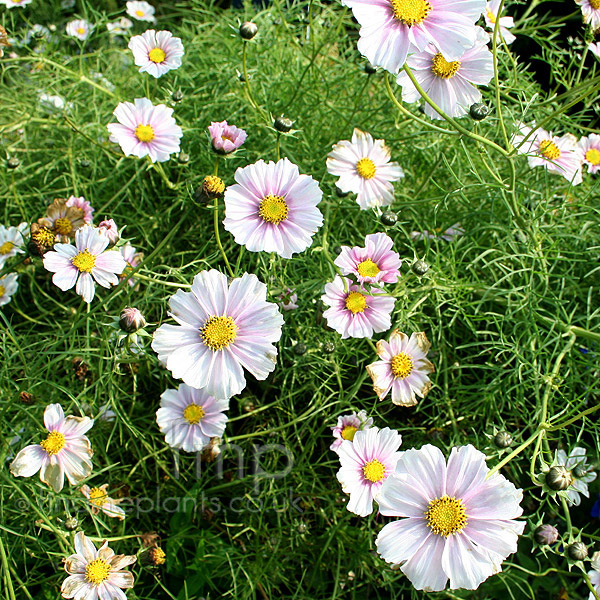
x=356 y=302
x=402 y=365
x=80 y=30
x=157 y=55
x=491 y=16
x=367 y=268
x=348 y=432
x=98 y=497
x=2 y=290
x=374 y=470
x=218 y=332
x=595 y=4
x=592 y=155
x=410 y=12
x=63 y=226
x=446 y=516
x=144 y=133
x=365 y=167
x=44 y=237
x=97 y=571
x=6 y=247
x=549 y=149
x=213 y=185
x=139 y=13
x=84 y=261
x=273 y=209
x=54 y=443
x=440 y=67
x=193 y=414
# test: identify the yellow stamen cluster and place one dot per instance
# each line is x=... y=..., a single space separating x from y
x=2 y=290
x=98 y=496
x=367 y=268
x=213 y=186
x=440 y=67
x=63 y=226
x=356 y=302
x=446 y=516
x=402 y=365
x=374 y=470
x=80 y=30
x=218 y=332
x=44 y=237
x=491 y=16
x=157 y=55
x=348 y=432
x=273 y=209
x=140 y=13
x=193 y=414
x=157 y=556
x=595 y=4
x=365 y=167
x=411 y=12
x=54 y=443
x=6 y=248
x=84 y=261
x=97 y=571
x=549 y=150
x=144 y=133
x=592 y=155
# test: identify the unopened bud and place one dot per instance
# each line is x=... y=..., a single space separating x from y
x=559 y=478
x=503 y=439
x=71 y=523
x=26 y=398
x=283 y=124
x=177 y=96
x=370 y=69
x=546 y=535
x=13 y=162
x=389 y=218
x=300 y=349
x=248 y=30
x=479 y=111
x=580 y=471
x=131 y=320
x=577 y=551
x=420 y=267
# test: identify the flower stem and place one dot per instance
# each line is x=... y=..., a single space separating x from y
x=218 y=237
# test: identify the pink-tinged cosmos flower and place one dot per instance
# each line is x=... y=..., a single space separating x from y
x=364 y=168
x=226 y=138
x=99 y=500
x=594 y=574
x=156 y=52
x=190 y=418
x=288 y=299
x=595 y=49
x=84 y=205
x=141 y=11
x=458 y=525
x=11 y=241
x=590 y=10
x=145 y=130
x=15 y=3
x=504 y=23
x=347 y=426
x=374 y=263
x=272 y=208
x=449 y=235
x=65 y=451
x=393 y=29
x=403 y=368
x=582 y=473
x=120 y=27
x=556 y=154
x=79 y=28
x=353 y=312
x=96 y=574
x=109 y=229
x=366 y=462
x=8 y=286
x=222 y=329
x=133 y=258
x=85 y=262
x=589 y=148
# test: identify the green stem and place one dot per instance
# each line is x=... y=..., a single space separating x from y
x=159 y=169
x=6 y=569
x=496 y=78
x=565 y=506
x=575 y=418
x=138 y=275
x=247 y=87
x=514 y=453
x=590 y=586
x=218 y=237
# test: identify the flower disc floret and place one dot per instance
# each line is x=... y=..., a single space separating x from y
x=402 y=365
x=219 y=332
x=365 y=167
x=549 y=149
x=157 y=55
x=97 y=571
x=440 y=67
x=348 y=432
x=356 y=302
x=446 y=516
x=98 y=496
x=193 y=414
x=273 y=209
x=84 y=261
x=54 y=443
x=144 y=133
x=374 y=470
x=411 y=12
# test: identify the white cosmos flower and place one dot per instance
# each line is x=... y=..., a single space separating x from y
x=79 y=29
x=581 y=471
x=100 y=501
x=11 y=241
x=142 y=11
x=156 y=52
x=8 y=286
x=504 y=23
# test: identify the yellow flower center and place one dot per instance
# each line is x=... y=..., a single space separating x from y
x=348 y=432
x=402 y=365
x=80 y=30
x=549 y=149
x=374 y=470
x=84 y=261
x=595 y=4
x=367 y=268
x=2 y=290
x=193 y=414
x=144 y=133
x=54 y=443
x=97 y=571
x=592 y=155
x=98 y=497
x=6 y=247
x=365 y=167
x=213 y=185
x=491 y=16
x=140 y=13
x=157 y=55
x=63 y=226
x=410 y=12
x=356 y=302
x=44 y=237
x=446 y=516
x=440 y=67
x=218 y=332
x=273 y=209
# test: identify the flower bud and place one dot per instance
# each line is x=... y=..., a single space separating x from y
x=84 y=163
x=283 y=124
x=329 y=347
x=108 y=228
x=389 y=218
x=211 y=450
x=300 y=349
x=183 y=158
x=248 y=30
x=503 y=439
x=370 y=69
x=177 y=96
x=577 y=551
x=559 y=478
x=545 y=535
x=420 y=267
x=479 y=111
x=131 y=320
x=71 y=523
x=13 y=162
x=340 y=194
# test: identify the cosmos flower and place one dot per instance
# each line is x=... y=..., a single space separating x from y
x=222 y=329
x=141 y=11
x=589 y=148
x=85 y=262
x=156 y=52
x=581 y=472
x=8 y=286
x=288 y=299
x=145 y=130
x=590 y=10
x=65 y=451
x=393 y=29
x=363 y=166
x=11 y=241
x=458 y=525
x=374 y=263
x=226 y=138
x=64 y=221
x=15 y=3
x=120 y=27
x=100 y=501
x=366 y=462
x=347 y=426
x=272 y=208
x=505 y=23
x=84 y=205
x=449 y=235
x=109 y=229
x=190 y=418
x=133 y=258
x=353 y=312
x=79 y=28
x=403 y=368
x=594 y=574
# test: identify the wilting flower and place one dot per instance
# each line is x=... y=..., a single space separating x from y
x=347 y=426
x=15 y=3
x=589 y=147
x=79 y=28
x=591 y=12
x=11 y=241
x=142 y=11
x=449 y=234
x=504 y=23
x=222 y=330
x=272 y=208
x=353 y=312
x=226 y=138
x=374 y=263
x=133 y=258
x=8 y=286
x=96 y=574
x=366 y=463
x=189 y=418
x=459 y=526
x=393 y=29
x=120 y=27
x=109 y=229
x=363 y=166
x=288 y=299
x=84 y=205
x=65 y=451
x=156 y=52
x=100 y=501
x=145 y=130
x=581 y=473
x=403 y=368
x=594 y=574
x=41 y=239
x=63 y=220
x=85 y=262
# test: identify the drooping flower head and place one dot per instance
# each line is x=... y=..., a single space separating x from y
x=120 y=27
x=273 y=208
x=590 y=10
x=11 y=241
x=156 y=52
x=581 y=473
x=133 y=258
x=226 y=138
x=141 y=11
x=65 y=451
x=63 y=220
x=79 y=29
x=366 y=462
x=364 y=168
x=347 y=426
x=84 y=205
x=15 y=3
x=504 y=23
x=457 y=525
x=8 y=286
x=145 y=130
x=589 y=148
x=99 y=500
x=222 y=329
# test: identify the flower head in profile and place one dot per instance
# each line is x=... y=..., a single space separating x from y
x=141 y=11
x=226 y=138
x=190 y=418
x=365 y=463
x=156 y=52
x=79 y=29
x=364 y=168
x=581 y=473
x=8 y=286
x=96 y=574
x=222 y=329
x=347 y=426
x=403 y=368
x=589 y=148
x=594 y=574
x=590 y=9
x=504 y=23
x=145 y=130
x=99 y=500
x=65 y=451
x=133 y=258
x=85 y=264
x=288 y=299
x=109 y=228
x=120 y=27
x=63 y=220
x=455 y=523
x=273 y=208
x=15 y=3
x=84 y=205
x=11 y=241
